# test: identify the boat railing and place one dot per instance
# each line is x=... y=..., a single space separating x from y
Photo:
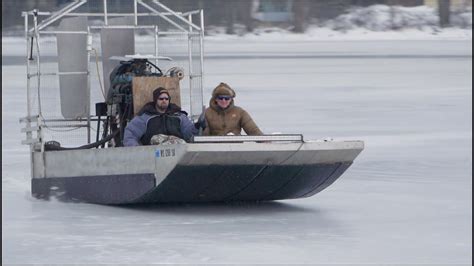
x=245 y=138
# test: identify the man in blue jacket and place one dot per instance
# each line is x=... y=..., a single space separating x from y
x=158 y=117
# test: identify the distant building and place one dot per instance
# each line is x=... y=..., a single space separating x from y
x=272 y=10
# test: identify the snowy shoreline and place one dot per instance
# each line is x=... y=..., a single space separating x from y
x=376 y=22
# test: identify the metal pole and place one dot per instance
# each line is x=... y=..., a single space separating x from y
x=201 y=48
x=190 y=58
x=175 y=33
x=59 y=14
x=121 y=27
x=160 y=15
x=135 y=8
x=89 y=48
x=38 y=63
x=189 y=22
x=75 y=14
x=29 y=134
x=189 y=12
x=105 y=13
x=61 y=32
x=156 y=45
x=40 y=137
x=28 y=106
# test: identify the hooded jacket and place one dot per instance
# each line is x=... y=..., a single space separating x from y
x=150 y=122
x=233 y=119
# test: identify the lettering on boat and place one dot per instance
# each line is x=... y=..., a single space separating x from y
x=165 y=153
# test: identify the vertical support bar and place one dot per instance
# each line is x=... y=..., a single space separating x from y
x=40 y=115
x=89 y=49
x=201 y=48
x=105 y=13
x=28 y=106
x=156 y=45
x=135 y=9
x=29 y=134
x=40 y=136
x=190 y=59
x=38 y=63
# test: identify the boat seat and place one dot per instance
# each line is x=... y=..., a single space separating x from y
x=143 y=87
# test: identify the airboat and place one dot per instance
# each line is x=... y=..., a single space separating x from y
x=77 y=155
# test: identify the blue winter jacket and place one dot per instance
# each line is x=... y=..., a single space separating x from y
x=140 y=124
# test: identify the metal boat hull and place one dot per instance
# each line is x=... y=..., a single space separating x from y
x=192 y=172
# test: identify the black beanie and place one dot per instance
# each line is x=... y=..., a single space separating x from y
x=158 y=91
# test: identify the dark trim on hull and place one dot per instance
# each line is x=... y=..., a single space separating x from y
x=309 y=181
x=104 y=189
x=206 y=183
x=331 y=179
x=213 y=183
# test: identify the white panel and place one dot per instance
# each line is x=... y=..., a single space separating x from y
x=72 y=57
x=116 y=42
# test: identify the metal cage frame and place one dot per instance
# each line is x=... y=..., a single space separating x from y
x=34 y=123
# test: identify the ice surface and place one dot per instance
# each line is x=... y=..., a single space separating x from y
x=406 y=199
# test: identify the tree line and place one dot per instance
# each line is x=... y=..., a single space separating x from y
x=223 y=13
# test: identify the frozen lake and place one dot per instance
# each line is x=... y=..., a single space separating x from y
x=406 y=199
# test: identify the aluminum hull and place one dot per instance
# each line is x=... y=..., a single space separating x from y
x=205 y=172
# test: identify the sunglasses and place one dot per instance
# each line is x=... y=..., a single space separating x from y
x=226 y=98
x=163 y=98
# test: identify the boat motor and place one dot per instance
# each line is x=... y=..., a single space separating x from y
x=119 y=97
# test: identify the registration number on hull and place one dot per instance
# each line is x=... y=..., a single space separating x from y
x=171 y=152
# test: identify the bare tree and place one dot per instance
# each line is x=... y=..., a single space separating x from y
x=300 y=13
x=230 y=16
x=246 y=11
x=444 y=12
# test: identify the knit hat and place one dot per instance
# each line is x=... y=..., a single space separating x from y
x=157 y=92
x=223 y=89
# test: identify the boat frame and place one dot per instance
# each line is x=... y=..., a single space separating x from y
x=208 y=169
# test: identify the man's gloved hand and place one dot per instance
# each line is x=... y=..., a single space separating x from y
x=201 y=122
